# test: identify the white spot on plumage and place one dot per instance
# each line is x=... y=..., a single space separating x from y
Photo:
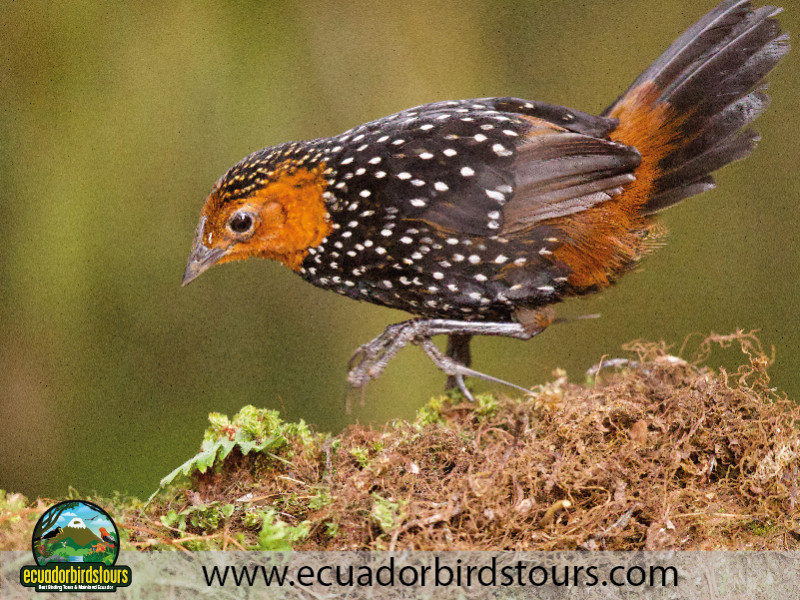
x=495 y=195
x=501 y=150
x=467 y=172
x=449 y=152
x=404 y=175
x=418 y=202
x=441 y=186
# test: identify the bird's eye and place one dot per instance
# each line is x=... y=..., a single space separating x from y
x=241 y=222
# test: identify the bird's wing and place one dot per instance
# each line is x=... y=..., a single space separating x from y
x=548 y=172
x=562 y=173
x=485 y=167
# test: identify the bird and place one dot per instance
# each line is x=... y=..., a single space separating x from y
x=106 y=537
x=477 y=215
x=53 y=533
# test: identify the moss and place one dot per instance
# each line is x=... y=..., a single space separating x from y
x=431 y=413
x=250 y=430
x=277 y=535
x=361 y=455
x=662 y=453
x=387 y=514
x=206 y=517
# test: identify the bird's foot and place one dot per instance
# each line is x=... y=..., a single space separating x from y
x=371 y=359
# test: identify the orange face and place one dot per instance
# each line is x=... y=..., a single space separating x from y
x=280 y=221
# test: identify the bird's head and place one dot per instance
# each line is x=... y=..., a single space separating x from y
x=268 y=206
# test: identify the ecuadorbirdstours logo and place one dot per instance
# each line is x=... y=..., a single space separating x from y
x=75 y=544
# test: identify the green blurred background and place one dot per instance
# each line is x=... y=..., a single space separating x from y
x=116 y=119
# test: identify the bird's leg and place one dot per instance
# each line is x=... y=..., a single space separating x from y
x=458 y=371
x=370 y=360
x=458 y=350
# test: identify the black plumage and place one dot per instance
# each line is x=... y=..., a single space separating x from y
x=475 y=214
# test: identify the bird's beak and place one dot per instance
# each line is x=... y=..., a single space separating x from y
x=202 y=257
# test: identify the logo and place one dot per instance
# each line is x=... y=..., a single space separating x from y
x=75 y=545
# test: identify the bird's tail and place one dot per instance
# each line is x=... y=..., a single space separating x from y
x=688 y=112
